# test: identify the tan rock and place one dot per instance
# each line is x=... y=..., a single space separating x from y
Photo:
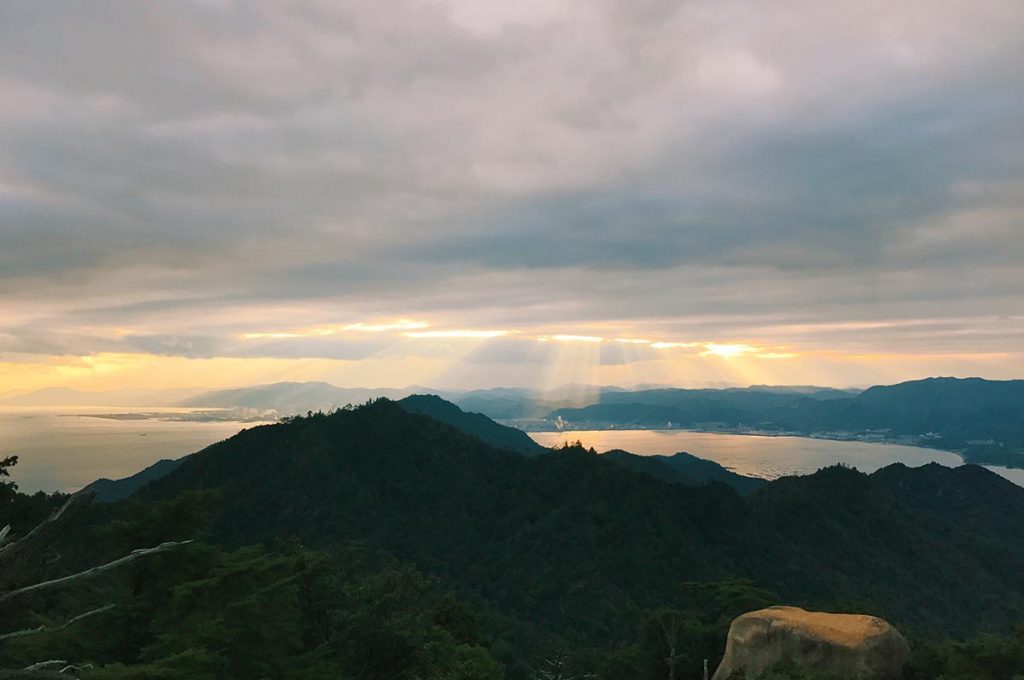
x=843 y=645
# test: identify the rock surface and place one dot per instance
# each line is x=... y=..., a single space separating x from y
x=843 y=645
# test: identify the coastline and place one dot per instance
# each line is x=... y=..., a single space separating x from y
x=874 y=439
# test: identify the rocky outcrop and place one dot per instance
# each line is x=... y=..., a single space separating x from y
x=842 y=645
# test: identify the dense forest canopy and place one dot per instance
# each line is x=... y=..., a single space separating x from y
x=377 y=542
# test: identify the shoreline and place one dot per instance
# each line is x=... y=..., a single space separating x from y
x=775 y=435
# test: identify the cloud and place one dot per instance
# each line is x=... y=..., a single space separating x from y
x=175 y=176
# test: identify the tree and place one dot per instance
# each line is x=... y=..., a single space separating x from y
x=557 y=668
x=23 y=557
x=7 y=489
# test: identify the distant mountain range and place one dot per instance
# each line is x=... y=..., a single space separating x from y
x=981 y=419
x=299 y=398
x=64 y=396
x=295 y=397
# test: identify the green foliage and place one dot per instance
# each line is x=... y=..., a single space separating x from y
x=256 y=613
x=7 y=489
x=375 y=543
x=567 y=551
x=982 y=657
x=683 y=639
x=19 y=510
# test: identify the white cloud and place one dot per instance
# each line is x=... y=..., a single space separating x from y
x=674 y=170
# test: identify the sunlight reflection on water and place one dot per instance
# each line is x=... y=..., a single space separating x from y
x=65 y=450
x=761 y=456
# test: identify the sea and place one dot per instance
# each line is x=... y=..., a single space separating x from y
x=764 y=456
x=63 y=449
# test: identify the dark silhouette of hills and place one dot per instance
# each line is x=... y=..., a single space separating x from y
x=110 y=490
x=686 y=408
x=475 y=424
x=293 y=397
x=684 y=468
x=503 y=403
x=982 y=419
x=681 y=468
x=575 y=542
x=967 y=495
x=957 y=408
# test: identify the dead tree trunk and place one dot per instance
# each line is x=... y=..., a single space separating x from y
x=21 y=557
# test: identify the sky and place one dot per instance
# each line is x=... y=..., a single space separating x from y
x=471 y=194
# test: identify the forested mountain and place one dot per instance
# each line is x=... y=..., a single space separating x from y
x=983 y=419
x=118 y=489
x=368 y=516
x=684 y=468
x=688 y=407
x=681 y=467
x=475 y=424
x=958 y=410
x=494 y=522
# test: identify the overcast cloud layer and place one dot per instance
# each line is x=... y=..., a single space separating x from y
x=810 y=177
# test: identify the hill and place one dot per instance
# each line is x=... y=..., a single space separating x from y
x=379 y=528
x=110 y=490
x=475 y=424
x=684 y=468
x=574 y=542
x=981 y=419
x=680 y=468
x=749 y=407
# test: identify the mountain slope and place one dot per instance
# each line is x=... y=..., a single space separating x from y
x=576 y=543
x=475 y=424
x=110 y=490
x=968 y=408
x=680 y=468
x=864 y=540
x=683 y=468
x=982 y=419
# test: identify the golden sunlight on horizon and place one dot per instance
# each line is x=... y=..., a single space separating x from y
x=448 y=359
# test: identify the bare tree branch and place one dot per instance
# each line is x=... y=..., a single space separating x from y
x=23 y=555
x=73 y=503
x=73 y=667
x=93 y=571
x=44 y=664
x=48 y=629
x=3 y=534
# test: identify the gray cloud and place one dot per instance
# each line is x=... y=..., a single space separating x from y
x=703 y=170
x=207 y=346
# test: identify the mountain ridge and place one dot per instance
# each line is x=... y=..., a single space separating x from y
x=681 y=468
x=478 y=516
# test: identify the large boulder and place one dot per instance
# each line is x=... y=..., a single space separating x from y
x=840 y=645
